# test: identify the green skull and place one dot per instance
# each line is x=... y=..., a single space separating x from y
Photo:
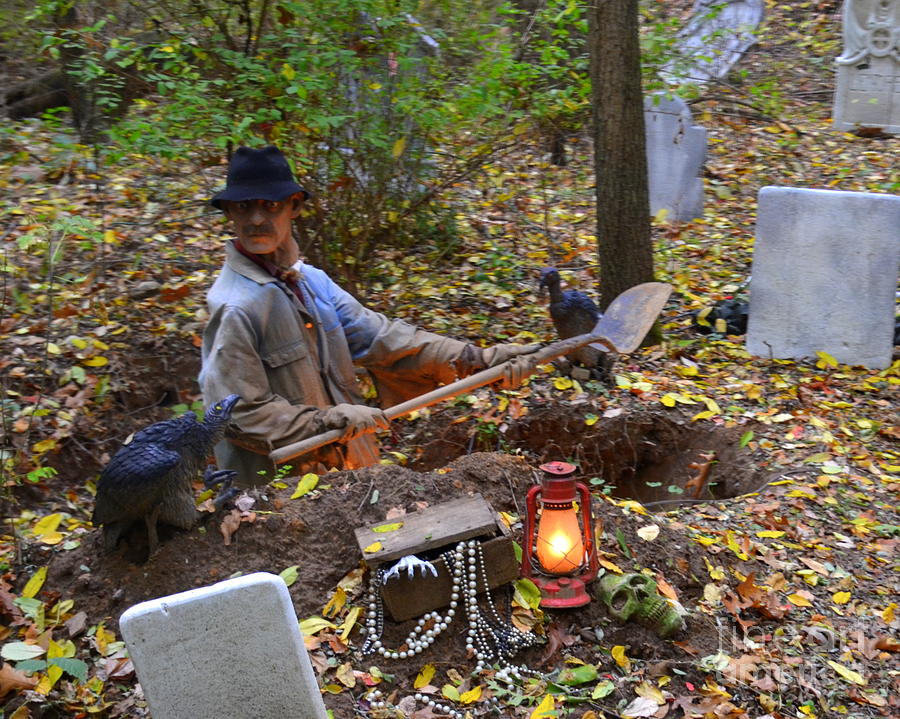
x=634 y=597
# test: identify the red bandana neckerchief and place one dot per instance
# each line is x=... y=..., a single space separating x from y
x=289 y=276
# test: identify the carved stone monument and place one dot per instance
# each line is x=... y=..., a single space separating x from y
x=868 y=71
x=676 y=151
x=824 y=276
x=229 y=651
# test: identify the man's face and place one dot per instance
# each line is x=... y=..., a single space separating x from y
x=264 y=226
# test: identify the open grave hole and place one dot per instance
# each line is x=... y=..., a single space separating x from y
x=647 y=456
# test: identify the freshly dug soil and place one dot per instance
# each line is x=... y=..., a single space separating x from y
x=315 y=533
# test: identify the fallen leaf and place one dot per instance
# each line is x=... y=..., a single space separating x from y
x=392 y=527
x=848 y=674
x=641 y=707
x=230 y=524
x=12 y=680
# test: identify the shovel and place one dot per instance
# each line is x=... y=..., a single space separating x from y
x=621 y=329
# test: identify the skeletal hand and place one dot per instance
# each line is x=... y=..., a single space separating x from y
x=410 y=562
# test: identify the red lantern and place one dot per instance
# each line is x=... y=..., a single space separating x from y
x=559 y=555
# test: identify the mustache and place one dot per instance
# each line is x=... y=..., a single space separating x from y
x=259 y=230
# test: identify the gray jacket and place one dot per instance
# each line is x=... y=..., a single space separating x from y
x=288 y=359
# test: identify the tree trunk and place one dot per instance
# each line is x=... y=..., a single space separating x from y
x=624 y=246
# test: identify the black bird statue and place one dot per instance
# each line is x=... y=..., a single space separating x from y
x=149 y=478
x=574 y=313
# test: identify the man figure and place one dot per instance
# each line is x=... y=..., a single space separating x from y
x=285 y=337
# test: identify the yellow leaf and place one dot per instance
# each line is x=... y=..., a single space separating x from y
x=888 y=614
x=648 y=691
x=398 y=148
x=668 y=399
x=288 y=72
x=47 y=524
x=109 y=237
x=606 y=564
x=840 y=597
x=103 y=639
x=648 y=533
x=618 y=654
x=721 y=326
x=702 y=415
x=314 y=625
x=52 y=537
x=349 y=623
x=336 y=603
x=345 y=675
x=770 y=533
x=715 y=573
x=424 y=677
x=848 y=674
x=825 y=360
x=97 y=361
x=45 y=445
x=799 y=600
x=35 y=583
x=661 y=215
x=591 y=419
x=473 y=695
x=53 y=348
x=733 y=545
x=562 y=383
x=451 y=692
x=392 y=527
x=54 y=672
x=306 y=484
x=373 y=547
x=711 y=405
x=546 y=709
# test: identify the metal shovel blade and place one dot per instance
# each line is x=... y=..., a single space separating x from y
x=630 y=316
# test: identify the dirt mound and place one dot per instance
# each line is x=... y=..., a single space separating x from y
x=315 y=533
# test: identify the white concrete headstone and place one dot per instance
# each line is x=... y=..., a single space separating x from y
x=868 y=71
x=229 y=651
x=676 y=151
x=824 y=276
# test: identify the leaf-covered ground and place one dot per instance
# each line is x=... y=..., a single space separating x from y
x=792 y=591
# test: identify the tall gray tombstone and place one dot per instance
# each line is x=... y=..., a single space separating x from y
x=867 y=94
x=824 y=278
x=676 y=151
x=229 y=651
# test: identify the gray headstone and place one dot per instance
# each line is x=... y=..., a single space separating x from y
x=868 y=71
x=716 y=38
x=229 y=651
x=676 y=151
x=824 y=275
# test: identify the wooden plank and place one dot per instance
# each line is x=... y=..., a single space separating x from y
x=429 y=528
x=406 y=598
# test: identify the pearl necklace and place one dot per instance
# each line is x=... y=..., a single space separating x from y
x=489 y=637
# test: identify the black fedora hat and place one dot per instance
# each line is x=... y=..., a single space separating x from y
x=258 y=175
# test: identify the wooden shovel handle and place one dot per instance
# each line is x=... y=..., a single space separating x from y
x=448 y=391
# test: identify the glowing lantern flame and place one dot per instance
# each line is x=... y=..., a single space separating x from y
x=559 y=547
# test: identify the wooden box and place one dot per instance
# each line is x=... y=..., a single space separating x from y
x=428 y=533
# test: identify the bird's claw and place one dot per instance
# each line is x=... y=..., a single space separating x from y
x=212 y=476
x=410 y=563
